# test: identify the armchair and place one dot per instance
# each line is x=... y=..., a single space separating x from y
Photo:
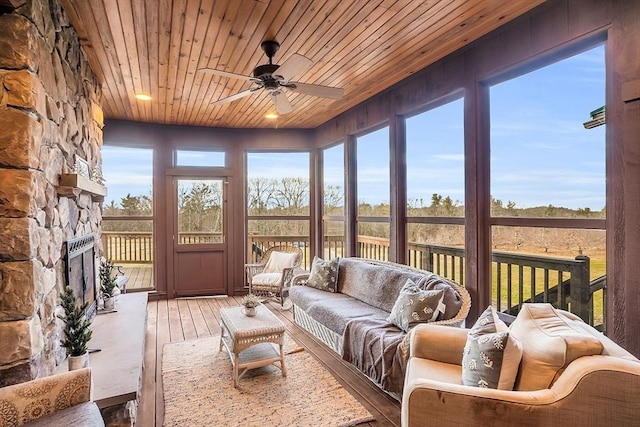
x=594 y=390
x=62 y=399
x=273 y=274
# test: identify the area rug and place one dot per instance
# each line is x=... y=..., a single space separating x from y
x=198 y=390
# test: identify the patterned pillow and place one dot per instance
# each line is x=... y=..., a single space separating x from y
x=415 y=305
x=324 y=274
x=491 y=355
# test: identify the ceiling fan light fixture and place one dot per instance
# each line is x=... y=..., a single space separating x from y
x=271 y=115
x=143 y=96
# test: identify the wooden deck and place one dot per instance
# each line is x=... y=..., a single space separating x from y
x=140 y=275
x=182 y=319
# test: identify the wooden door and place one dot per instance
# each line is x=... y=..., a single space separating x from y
x=199 y=236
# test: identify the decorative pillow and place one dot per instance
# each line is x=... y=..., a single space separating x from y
x=278 y=261
x=415 y=305
x=491 y=355
x=324 y=274
x=549 y=343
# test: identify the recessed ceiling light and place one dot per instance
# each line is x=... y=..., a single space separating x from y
x=271 y=115
x=143 y=97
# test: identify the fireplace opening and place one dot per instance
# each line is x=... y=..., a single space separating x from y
x=81 y=272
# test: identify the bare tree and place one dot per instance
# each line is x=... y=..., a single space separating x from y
x=292 y=195
x=260 y=194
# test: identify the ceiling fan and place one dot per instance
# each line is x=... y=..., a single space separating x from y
x=274 y=78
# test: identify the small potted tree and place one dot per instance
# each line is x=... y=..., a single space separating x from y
x=77 y=330
x=108 y=284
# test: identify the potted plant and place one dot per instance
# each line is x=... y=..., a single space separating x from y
x=77 y=330
x=250 y=302
x=108 y=284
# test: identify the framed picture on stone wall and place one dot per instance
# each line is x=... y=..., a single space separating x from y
x=81 y=167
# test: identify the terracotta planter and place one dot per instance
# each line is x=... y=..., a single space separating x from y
x=78 y=362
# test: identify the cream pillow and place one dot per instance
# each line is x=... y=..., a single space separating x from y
x=491 y=355
x=549 y=344
x=278 y=261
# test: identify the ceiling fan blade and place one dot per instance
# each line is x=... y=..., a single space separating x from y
x=234 y=97
x=292 y=67
x=281 y=103
x=317 y=90
x=225 y=74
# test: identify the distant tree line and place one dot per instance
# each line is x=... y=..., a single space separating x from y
x=200 y=209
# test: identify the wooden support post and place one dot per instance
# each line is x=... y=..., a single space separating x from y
x=579 y=291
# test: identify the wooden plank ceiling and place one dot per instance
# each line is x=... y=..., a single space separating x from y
x=364 y=46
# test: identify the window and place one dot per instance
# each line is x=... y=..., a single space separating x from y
x=373 y=190
x=277 y=202
x=333 y=201
x=127 y=218
x=435 y=189
x=202 y=158
x=548 y=185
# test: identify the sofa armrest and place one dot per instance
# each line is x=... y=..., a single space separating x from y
x=438 y=342
x=300 y=277
x=25 y=402
x=593 y=390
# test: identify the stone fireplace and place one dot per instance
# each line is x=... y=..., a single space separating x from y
x=49 y=114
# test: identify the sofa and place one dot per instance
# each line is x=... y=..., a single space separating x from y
x=568 y=374
x=57 y=400
x=352 y=317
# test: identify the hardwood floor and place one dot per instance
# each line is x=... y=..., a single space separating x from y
x=183 y=319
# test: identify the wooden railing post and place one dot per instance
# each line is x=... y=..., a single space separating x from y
x=427 y=258
x=579 y=289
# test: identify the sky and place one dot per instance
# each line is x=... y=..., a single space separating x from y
x=540 y=152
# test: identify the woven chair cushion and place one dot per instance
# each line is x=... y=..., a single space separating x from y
x=267 y=279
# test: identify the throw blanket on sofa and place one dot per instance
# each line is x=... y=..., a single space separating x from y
x=376 y=347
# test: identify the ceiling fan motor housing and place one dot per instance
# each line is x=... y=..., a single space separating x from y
x=265 y=73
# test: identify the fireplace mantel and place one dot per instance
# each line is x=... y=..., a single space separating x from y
x=72 y=184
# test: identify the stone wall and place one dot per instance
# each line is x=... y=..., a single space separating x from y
x=49 y=113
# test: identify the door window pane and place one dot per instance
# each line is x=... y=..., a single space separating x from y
x=200 y=211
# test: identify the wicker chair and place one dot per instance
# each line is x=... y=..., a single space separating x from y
x=273 y=284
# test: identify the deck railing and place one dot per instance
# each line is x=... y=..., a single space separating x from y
x=124 y=247
x=518 y=278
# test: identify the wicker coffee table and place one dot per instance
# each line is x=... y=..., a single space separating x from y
x=251 y=341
